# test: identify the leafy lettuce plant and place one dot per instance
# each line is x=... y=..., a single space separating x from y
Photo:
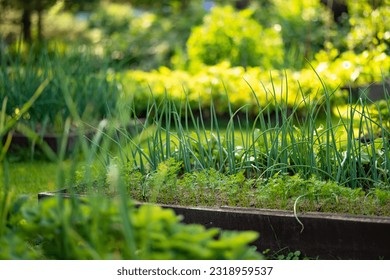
x=107 y=229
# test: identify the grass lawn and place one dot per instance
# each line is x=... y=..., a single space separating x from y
x=32 y=177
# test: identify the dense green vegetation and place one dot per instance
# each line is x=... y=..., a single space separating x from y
x=111 y=229
x=173 y=102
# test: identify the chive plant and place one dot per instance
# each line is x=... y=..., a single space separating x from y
x=308 y=139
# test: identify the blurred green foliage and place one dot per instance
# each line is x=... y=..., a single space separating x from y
x=250 y=85
x=150 y=34
x=111 y=18
x=143 y=39
x=80 y=74
x=304 y=26
x=103 y=229
x=227 y=35
x=165 y=6
x=369 y=25
x=30 y=8
x=351 y=69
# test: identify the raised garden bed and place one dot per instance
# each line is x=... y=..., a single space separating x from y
x=316 y=235
x=374 y=92
x=53 y=140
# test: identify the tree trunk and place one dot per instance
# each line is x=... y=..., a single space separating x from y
x=26 y=25
x=242 y=4
x=338 y=7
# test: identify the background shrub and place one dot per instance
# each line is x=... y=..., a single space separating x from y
x=144 y=39
x=234 y=36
